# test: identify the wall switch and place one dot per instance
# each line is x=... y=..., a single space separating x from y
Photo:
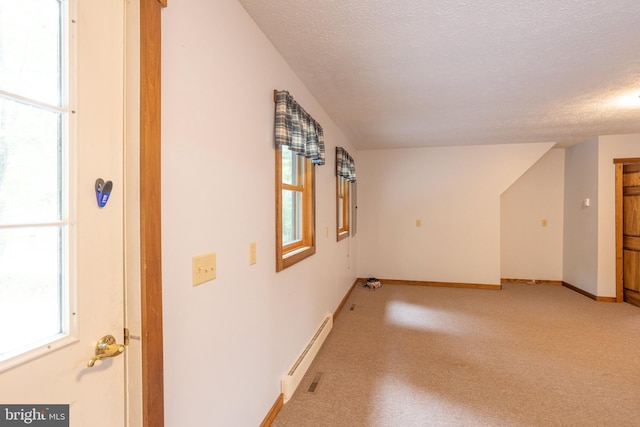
x=252 y=253
x=544 y=223
x=418 y=223
x=203 y=268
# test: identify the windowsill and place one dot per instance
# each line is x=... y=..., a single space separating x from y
x=295 y=256
x=295 y=251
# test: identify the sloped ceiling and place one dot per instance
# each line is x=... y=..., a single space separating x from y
x=418 y=73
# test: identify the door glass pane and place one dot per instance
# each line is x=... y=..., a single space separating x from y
x=30 y=54
x=30 y=167
x=33 y=223
x=291 y=216
x=30 y=286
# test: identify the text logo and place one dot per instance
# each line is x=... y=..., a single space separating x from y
x=34 y=415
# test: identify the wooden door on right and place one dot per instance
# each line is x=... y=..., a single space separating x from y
x=631 y=232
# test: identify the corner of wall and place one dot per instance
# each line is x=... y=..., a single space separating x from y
x=580 y=242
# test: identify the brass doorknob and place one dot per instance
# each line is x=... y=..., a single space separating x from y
x=106 y=347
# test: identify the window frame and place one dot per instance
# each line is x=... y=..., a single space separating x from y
x=289 y=254
x=342 y=197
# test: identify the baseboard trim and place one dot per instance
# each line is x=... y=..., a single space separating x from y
x=271 y=416
x=437 y=284
x=532 y=281
x=344 y=300
x=588 y=294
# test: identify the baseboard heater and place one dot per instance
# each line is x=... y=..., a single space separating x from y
x=291 y=381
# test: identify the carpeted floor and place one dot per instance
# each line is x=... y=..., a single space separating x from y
x=529 y=355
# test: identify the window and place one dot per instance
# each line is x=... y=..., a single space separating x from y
x=299 y=143
x=345 y=175
x=33 y=174
x=295 y=204
x=342 y=207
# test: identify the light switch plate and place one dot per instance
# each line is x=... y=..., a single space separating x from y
x=203 y=268
x=252 y=253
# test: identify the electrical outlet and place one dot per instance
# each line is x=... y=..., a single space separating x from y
x=252 y=253
x=203 y=268
x=418 y=223
x=545 y=223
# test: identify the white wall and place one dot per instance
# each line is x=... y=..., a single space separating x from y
x=455 y=192
x=529 y=250
x=610 y=147
x=228 y=342
x=580 y=253
x=589 y=241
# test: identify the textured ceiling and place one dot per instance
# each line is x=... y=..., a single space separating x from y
x=417 y=73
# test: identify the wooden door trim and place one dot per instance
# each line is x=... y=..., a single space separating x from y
x=150 y=218
x=627 y=161
x=619 y=236
x=619 y=165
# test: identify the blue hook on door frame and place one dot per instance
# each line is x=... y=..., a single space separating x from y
x=103 y=190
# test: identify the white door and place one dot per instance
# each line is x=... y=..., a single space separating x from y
x=61 y=255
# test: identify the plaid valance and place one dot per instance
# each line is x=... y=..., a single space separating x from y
x=344 y=165
x=296 y=129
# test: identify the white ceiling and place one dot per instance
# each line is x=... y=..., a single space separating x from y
x=418 y=73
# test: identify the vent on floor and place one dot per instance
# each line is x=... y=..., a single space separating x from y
x=314 y=384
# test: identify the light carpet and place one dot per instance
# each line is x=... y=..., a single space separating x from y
x=529 y=355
